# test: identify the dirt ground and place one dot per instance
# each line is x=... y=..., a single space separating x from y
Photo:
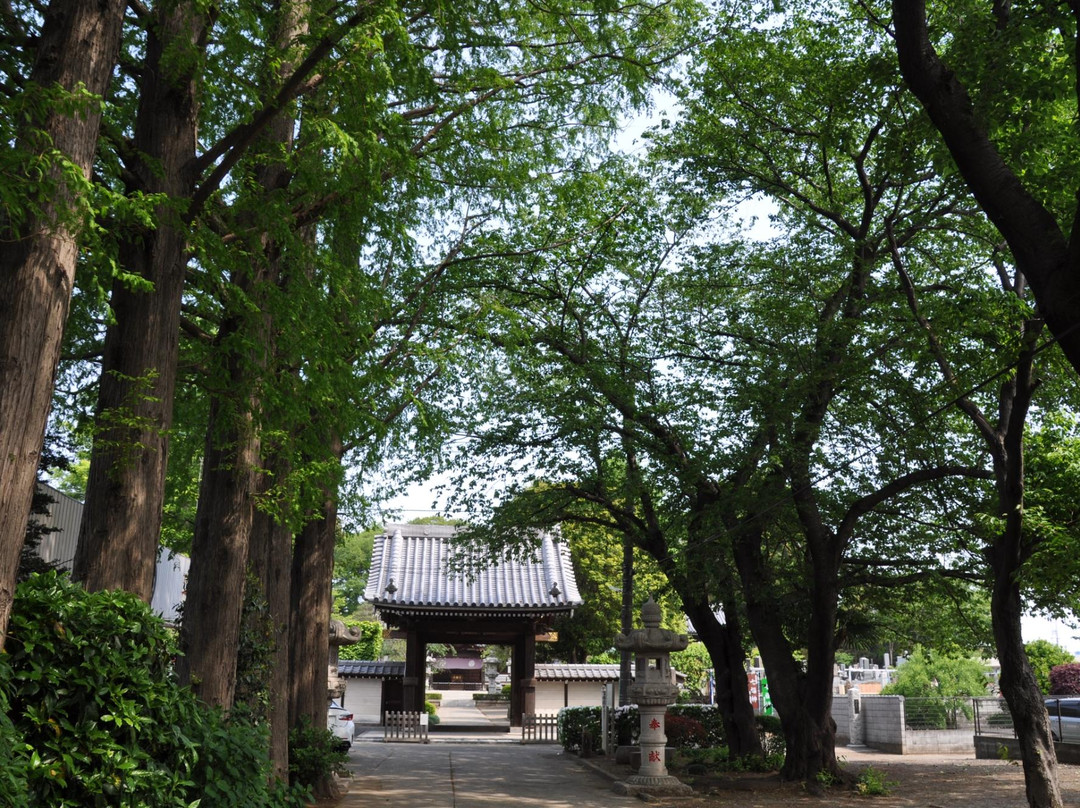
x=950 y=781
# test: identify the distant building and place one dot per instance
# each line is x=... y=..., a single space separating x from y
x=65 y=513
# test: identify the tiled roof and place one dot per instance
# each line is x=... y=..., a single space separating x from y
x=564 y=672
x=577 y=672
x=410 y=570
x=365 y=668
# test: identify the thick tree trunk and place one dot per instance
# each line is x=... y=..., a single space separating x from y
x=271 y=557
x=210 y=632
x=1006 y=556
x=121 y=523
x=79 y=45
x=802 y=700
x=309 y=623
x=723 y=641
x=1025 y=699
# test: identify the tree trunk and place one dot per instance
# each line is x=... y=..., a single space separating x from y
x=802 y=701
x=309 y=622
x=626 y=617
x=1025 y=699
x=121 y=523
x=79 y=45
x=723 y=641
x=270 y=554
x=1006 y=556
x=210 y=630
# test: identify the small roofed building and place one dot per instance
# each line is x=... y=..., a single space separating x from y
x=417 y=588
x=561 y=685
x=372 y=688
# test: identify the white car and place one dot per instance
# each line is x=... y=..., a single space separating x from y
x=340 y=722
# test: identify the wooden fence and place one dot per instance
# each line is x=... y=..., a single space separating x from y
x=539 y=728
x=404 y=727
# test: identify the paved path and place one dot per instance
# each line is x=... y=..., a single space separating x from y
x=474 y=775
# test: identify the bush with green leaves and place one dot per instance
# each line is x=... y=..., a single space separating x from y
x=371 y=640
x=92 y=698
x=577 y=723
x=314 y=753
x=13 y=762
x=1044 y=656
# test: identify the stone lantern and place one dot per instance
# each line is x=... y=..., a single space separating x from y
x=491 y=673
x=340 y=635
x=653 y=690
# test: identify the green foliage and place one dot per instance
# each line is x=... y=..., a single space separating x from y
x=371 y=640
x=718 y=759
x=874 y=783
x=13 y=752
x=695 y=663
x=928 y=673
x=93 y=698
x=352 y=559
x=1043 y=656
x=314 y=754
x=937 y=687
x=577 y=724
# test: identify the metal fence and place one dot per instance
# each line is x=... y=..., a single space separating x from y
x=939 y=713
x=992 y=717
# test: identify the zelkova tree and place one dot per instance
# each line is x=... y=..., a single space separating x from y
x=833 y=381
x=767 y=399
x=57 y=65
x=1006 y=113
x=563 y=396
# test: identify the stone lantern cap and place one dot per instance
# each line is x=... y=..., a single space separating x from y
x=652 y=638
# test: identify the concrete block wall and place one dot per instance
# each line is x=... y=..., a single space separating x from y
x=883 y=722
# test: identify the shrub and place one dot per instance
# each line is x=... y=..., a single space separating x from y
x=708 y=716
x=13 y=762
x=574 y=722
x=1065 y=679
x=93 y=700
x=314 y=754
x=1044 y=656
x=684 y=732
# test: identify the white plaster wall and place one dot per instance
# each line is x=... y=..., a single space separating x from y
x=585 y=694
x=363 y=697
x=549 y=697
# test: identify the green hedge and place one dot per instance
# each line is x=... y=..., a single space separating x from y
x=97 y=718
x=573 y=720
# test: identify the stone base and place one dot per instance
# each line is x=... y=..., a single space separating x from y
x=658 y=786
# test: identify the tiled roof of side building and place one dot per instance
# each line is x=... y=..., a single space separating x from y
x=411 y=566
x=369 y=669
x=567 y=672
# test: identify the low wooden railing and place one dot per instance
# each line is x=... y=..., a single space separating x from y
x=539 y=728
x=405 y=727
